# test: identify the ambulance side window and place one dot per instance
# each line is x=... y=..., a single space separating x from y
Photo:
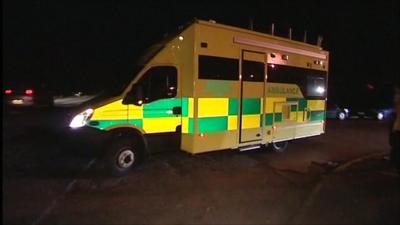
x=316 y=86
x=312 y=83
x=218 y=68
x=253 y=71
x=158 y=83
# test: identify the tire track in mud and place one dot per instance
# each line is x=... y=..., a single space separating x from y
x=47 y=211
x=310 y=199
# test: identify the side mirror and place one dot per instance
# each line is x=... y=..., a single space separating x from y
x=135 y=96
x=171 y=92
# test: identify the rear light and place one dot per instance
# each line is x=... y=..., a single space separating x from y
x=29 y=91
x=202 y=135
x=8 y=91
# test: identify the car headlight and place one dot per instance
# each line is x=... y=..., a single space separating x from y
x=81 y=119
x=380 y=116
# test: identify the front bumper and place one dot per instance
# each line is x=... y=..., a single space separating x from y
x=85 y=141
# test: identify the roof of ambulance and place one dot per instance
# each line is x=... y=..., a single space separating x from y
x=258 y=34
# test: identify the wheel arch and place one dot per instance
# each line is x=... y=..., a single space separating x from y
x=130 y=131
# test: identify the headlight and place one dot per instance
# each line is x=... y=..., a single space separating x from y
x=81 y=119
x=380 y=116
x=346 y=110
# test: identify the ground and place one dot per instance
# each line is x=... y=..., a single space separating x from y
x=341 y=177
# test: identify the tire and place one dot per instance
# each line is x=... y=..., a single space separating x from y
x=122 y=156
x=341 y=116
x=278 y=147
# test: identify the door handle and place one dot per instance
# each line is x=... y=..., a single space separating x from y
x=177 y=110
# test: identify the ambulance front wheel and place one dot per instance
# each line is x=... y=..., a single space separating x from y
x=278 y=146
x=123 y=155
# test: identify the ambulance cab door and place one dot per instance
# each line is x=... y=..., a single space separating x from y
x=156 y=107
x=251 y=96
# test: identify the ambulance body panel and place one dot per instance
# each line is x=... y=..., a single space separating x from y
x=221 y=87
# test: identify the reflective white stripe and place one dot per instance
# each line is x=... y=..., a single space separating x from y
x=298 y=137
x=300 y=125
x=242 y=149
x=263 y=44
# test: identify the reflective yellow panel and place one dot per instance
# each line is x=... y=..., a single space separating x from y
x=191 y=107
x=269 y=105
x=112 y=111
x=211 y=107
x=185 y=125
x=293 y=116
x=250 y=121
x=232 y=123
x=156 y=125
x=315 y=105
x=300 y=116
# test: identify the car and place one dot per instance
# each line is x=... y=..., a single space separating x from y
x=378 y=113
x=375 y=102
x=334 y=111
x=27 y=95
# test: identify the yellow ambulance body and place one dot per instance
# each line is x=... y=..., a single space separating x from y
x=221 y=87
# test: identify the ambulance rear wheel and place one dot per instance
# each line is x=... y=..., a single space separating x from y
x=279 y=146
x=122 y=155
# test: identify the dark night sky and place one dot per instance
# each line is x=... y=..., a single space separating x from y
x=87 y=44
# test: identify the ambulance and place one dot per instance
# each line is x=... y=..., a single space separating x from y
x=213 y=87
